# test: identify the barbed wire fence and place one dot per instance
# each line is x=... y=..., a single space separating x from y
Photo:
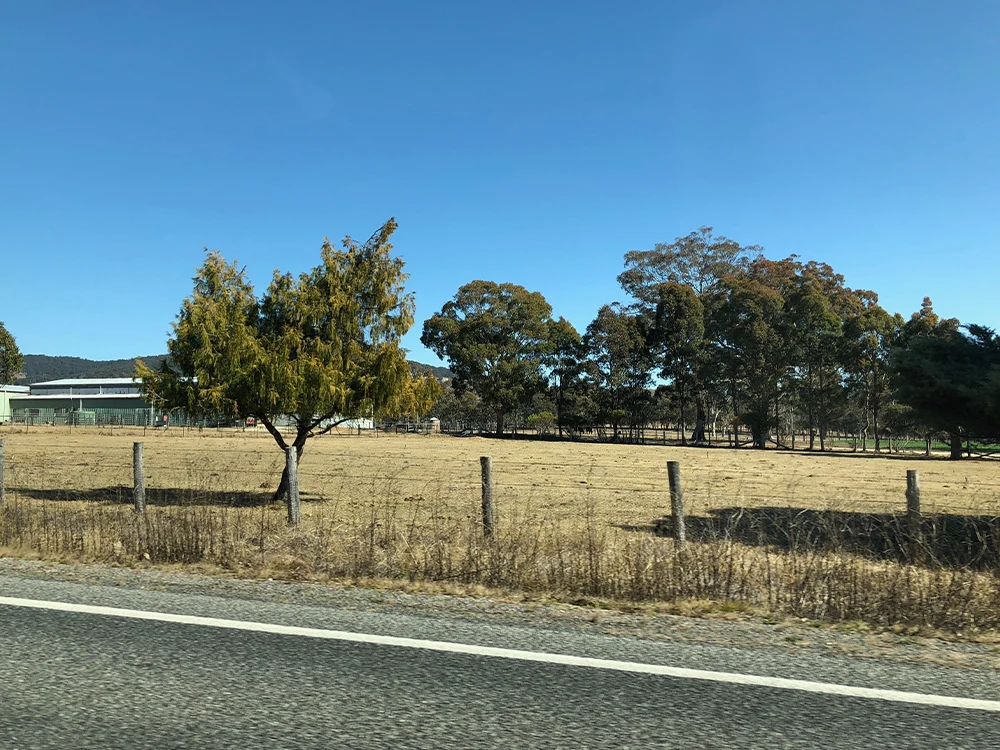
x=892 y=520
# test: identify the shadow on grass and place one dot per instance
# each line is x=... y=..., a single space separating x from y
x=947 y=540
x=157 y=496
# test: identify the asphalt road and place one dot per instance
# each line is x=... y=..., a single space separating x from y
x=77 y=680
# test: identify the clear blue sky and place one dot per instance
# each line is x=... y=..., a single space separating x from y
x=519 y=141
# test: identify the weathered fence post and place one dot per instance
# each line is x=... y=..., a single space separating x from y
x=138 y=479
x=292 y=469
x=486 y=464
x=914 y=535
x=676 y=502
x=3 y=487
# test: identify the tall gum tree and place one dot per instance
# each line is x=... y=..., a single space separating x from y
x=565 y=364
x=497 y=338
x=317 y=349
x=699 y=261
x=616 y=341
x=870 y=335
x=677 y=340
x=746 y=329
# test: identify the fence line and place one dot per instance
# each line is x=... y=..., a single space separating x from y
x=907 y=531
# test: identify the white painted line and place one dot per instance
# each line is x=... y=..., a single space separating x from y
x=733 y=678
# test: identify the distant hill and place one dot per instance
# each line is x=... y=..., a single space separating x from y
x=41 y=367
x=419 y=368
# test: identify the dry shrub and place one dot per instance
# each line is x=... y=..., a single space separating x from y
x=421 y=540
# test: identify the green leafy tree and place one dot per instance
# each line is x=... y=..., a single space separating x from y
x=542 y=422
x=497 y=340
x=870 y=335
x=616 y=342
x=456 y=411
x=425 y=391
x=699 y=262
x=317 y=349
x=677 y=341
x=926 y=322
x=746 y=327
x=814 y=326
x=948 y=379
x=566 y=363
x=11 y=361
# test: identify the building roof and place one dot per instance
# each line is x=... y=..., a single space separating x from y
x=91 y=381
x=74 y=397
x=14 y=388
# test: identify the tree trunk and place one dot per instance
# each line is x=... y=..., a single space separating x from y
x=878 y=444
x=683 y=420
x=955 y=439
x=281 y=494
x=499 y=423
x=701 y=416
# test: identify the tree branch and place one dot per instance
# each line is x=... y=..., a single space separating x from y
x=331 y=426
x=278 y=437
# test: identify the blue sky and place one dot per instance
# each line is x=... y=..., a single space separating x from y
x=520 y=141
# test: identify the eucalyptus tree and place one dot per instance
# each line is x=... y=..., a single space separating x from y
x=870 y=335
x=700 y=260
x=566 y=365
x=497 y=339
x=616 y=342
x=746 y=330
x=677 y=341
x=317 y=349
x=817 y=304
x=657 y=278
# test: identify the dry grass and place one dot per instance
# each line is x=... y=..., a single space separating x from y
x=623 y=484
x=572 y=518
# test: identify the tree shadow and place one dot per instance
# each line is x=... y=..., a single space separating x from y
x=155 y=496
x=945 y=540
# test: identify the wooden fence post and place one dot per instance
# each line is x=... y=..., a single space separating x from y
x=292 y=469
x=676 y=502
x=486 y=463
x=3 y=487
x=138 y=479
x=914 y=535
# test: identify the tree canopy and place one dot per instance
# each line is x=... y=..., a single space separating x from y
x=11 y=361
x=496 y=339
x=316 y=349
x=949 y=379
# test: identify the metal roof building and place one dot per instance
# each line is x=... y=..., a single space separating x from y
x=83 y=401
x=6 y=391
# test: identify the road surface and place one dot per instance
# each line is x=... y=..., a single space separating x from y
x=80 y=669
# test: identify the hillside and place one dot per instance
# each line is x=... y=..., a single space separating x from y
x=41 y=367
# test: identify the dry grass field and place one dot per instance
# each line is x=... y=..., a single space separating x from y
x=616 y=485
x=817 y=536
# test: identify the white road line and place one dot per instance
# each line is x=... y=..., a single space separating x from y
x=733 y=678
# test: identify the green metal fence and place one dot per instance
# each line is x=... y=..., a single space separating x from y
x=115 y=417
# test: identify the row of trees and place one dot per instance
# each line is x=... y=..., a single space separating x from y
x=716 y=334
